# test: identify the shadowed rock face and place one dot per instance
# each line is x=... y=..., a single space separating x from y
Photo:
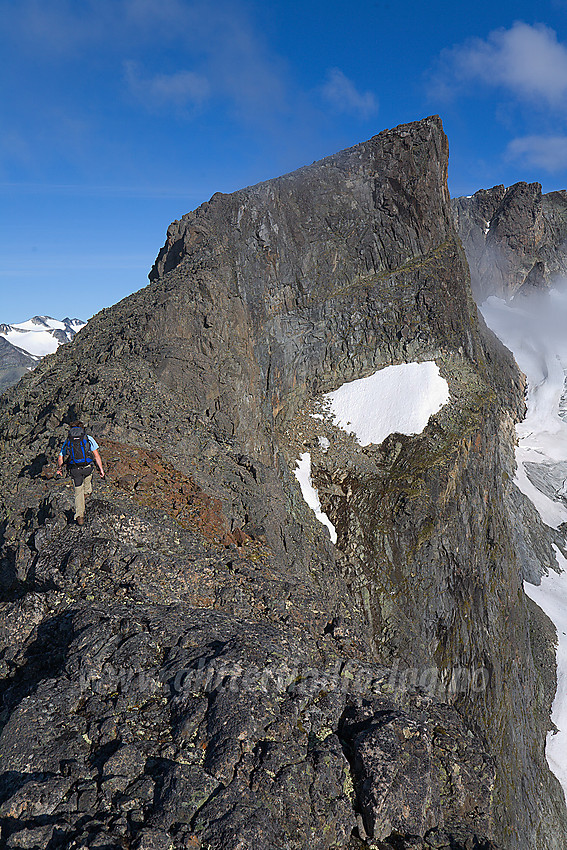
x=515 y=239
x=198 y=666
x=13 y=364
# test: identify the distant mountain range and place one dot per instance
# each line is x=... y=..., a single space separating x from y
x=23 y=345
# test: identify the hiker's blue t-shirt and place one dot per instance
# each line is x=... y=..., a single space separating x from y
x=92 y=441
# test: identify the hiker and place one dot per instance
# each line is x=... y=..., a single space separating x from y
x=81 y=450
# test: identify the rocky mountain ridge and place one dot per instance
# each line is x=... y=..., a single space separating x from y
x=198 y=665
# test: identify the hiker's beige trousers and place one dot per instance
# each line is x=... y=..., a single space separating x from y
x=84 y=489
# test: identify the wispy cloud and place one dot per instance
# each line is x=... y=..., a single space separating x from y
x=181 y=89
x=61 y=27
x=238 y=63
x=527 y=60
x=178 y=58
x=174 y=53
x=228 y=58
x=343 y=96
x=547 y=152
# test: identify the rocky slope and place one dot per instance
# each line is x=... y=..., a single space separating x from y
x=514 y=238
x=198 y=666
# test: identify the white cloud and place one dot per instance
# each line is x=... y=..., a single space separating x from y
x=547 y=152
x=65 y=28
x=218 y=47
x=343 y=95
x=228 y=55
x=527 y=60
x=239 y=63
x=179 y=54
x=183 y=88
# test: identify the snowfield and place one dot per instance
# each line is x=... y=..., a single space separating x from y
x=551 y=596
x=35 y=336
x=534 y=331
x=38 y=343
x=395 y=400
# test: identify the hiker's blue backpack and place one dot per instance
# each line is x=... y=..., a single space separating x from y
x=79 y=452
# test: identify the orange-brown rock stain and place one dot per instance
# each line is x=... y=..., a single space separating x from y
x=156 y=483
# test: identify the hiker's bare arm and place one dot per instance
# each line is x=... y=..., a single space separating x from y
x=60 y=465
x=98 y=462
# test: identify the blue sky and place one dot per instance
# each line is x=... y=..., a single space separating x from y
x=119 y=116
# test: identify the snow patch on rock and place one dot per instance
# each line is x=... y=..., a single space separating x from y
x=310 y=494
x=394 y=400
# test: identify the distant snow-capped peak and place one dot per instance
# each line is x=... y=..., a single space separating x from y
x=41 y=335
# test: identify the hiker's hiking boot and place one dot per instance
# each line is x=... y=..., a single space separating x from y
x=80 y=520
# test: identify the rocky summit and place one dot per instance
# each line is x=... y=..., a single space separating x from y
x=198 y=665
x=514 y=238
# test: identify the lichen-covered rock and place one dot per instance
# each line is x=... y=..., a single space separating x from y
x=198 y=666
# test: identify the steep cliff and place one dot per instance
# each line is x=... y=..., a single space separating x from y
x=198 y=665
x=514 y=238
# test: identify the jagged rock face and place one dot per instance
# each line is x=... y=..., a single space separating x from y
x=290 y=268
x=514 y=238
x=198 y=666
